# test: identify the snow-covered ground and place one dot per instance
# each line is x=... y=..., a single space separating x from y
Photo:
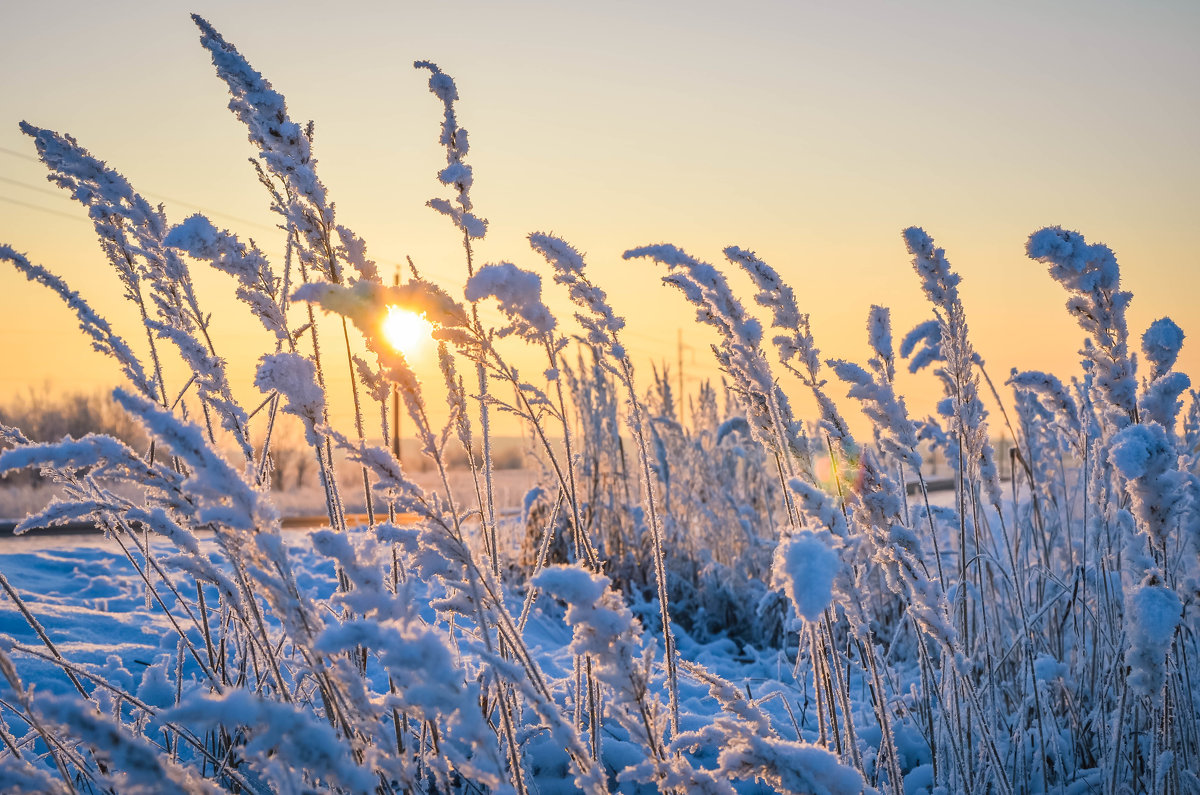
x=92 y=603
x=509 y=487
x=686 y=601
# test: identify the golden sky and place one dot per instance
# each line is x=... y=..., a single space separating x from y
x=811 y=133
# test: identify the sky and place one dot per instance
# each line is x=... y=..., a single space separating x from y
x=809 y=132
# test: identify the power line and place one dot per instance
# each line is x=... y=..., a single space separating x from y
x=162 y=197
x=215 y=213
x=34 y=188
x=439 y=277
x=41 y=209
x=159 y=196
x=15 y=153
x=433 y=274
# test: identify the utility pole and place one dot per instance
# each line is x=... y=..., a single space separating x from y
x=679 y=369
x=396 y=399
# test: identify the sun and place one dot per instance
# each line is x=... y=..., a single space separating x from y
x=406 y=331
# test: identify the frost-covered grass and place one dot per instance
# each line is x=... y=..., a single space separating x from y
x=679 y=606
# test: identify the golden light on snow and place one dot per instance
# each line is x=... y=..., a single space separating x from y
x=406 y=331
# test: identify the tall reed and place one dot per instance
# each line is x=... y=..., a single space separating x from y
x=1029 y=636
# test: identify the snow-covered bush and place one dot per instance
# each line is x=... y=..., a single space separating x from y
x=1032 y=638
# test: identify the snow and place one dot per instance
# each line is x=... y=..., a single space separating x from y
x=456 y=174
x=601 y=323
x=804 y=568
x=269 y=724
x=879 y=337
x=156 y=688
x=519 y=293
x=1160 y=402
x=196 y=235
x=579 y=589
x=697 y=612
x=1136 y=449
x=284 y=148
x=1152 y=616
x=294 y=377
x=91 y=601
x=1161 y=343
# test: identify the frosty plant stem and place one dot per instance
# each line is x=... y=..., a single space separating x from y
x=386 y=659
x=458 y=175
x=604 y=327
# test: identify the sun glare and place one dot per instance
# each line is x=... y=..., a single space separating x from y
x=406 y=331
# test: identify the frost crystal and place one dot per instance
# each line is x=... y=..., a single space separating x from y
x=1092 y=278
x=519 y=293
x=294 y=377
x=804 y=568
x=1151 y=616
x=1161 y=344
